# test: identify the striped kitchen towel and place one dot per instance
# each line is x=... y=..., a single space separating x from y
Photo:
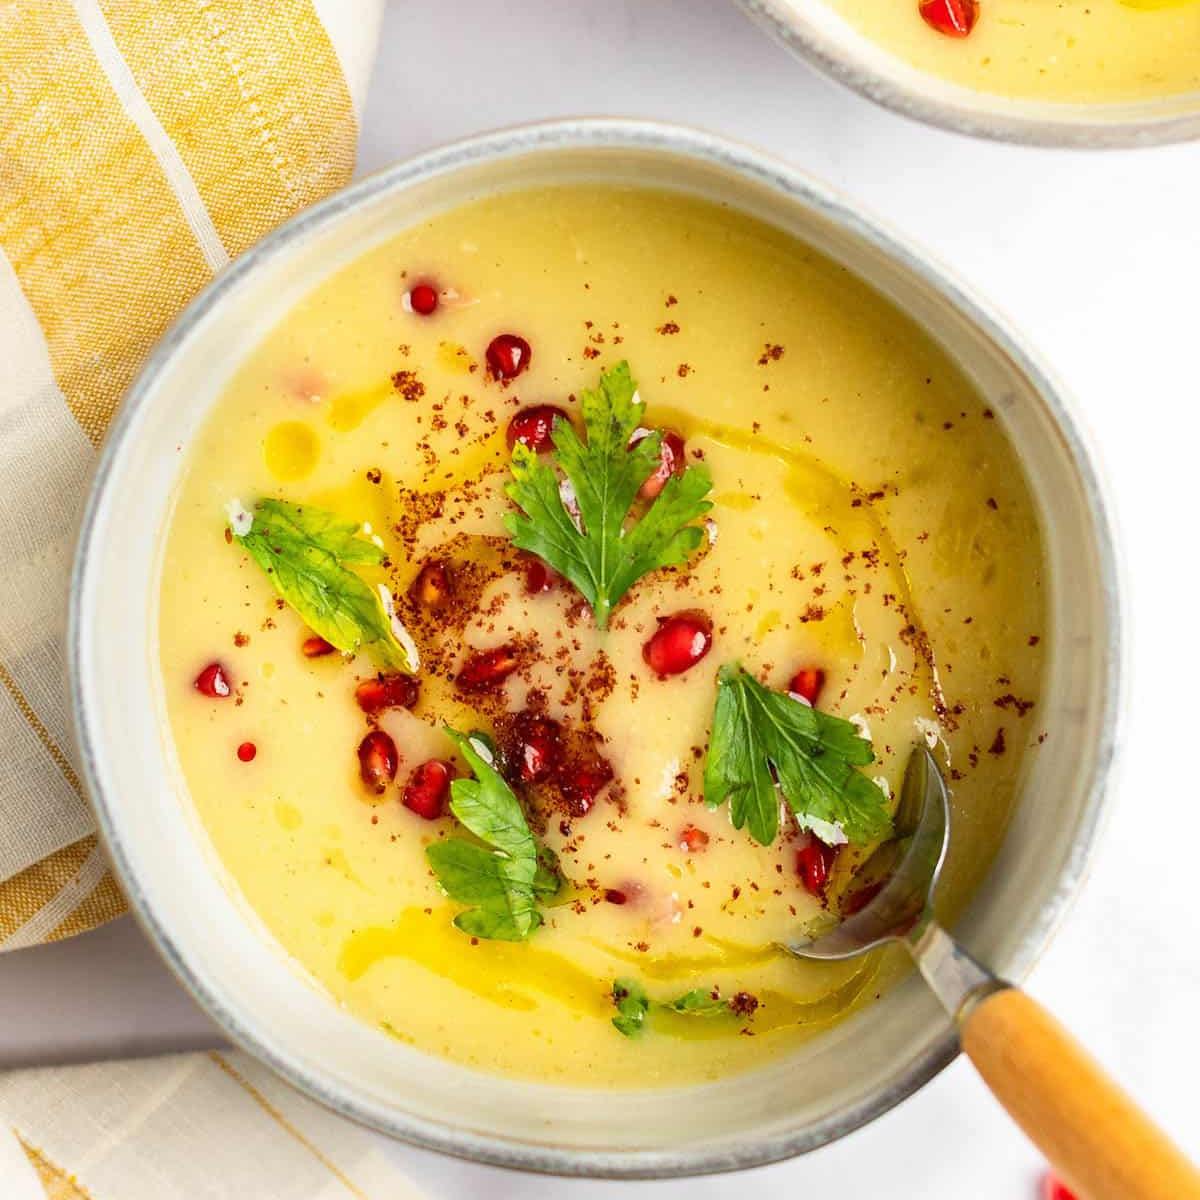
x=143 y=144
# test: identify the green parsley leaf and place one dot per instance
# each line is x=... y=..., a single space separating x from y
x=760 y=737
x=601 y=554
x=632 y=1006
x=306 y=553
x=635 y=1008
x=503 y=878
x=505 y=907
x=698 y=1003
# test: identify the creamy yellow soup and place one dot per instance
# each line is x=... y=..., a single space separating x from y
x=1073 y=51
x=869 y=521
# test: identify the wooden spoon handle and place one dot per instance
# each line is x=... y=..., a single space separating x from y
x=1101 y=1143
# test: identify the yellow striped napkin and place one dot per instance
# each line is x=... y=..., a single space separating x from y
x=143 y=144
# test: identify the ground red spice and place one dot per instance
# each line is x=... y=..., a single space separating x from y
x=408 y=385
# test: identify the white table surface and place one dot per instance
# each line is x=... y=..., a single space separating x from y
x=1096 y=257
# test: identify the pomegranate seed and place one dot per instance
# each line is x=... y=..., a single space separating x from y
x=670 y=460
x=679 y=642
x=615 y=896
x=377 y=760
x=692 y=839
x=246 y=752
x=316 y=647
x=387 y=691
x=954 y=18
x=807 y=683
x=533 y=426
x=539 y=578
x=432 y=589
x=507 y=356
x=1053 y=1188
x=814 y=861
x=427 y=789
x=423 y=299
x=582 y=783
x=488 y=668
x=538 y=746
x=213 y=682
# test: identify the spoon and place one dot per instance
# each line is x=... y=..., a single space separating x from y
x=1092 y=1133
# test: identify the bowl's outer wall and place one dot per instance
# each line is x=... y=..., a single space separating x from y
x=812 y=30
x=856 y=1071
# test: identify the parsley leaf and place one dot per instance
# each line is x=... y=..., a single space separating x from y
x=765 y=742
x=503 y=878
x=632 y=1006
x=698 y=1003
x=599 y=553
x=306 y=553
x=505 y=906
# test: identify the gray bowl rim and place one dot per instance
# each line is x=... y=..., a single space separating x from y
x=1065 y=126
x=671 y=140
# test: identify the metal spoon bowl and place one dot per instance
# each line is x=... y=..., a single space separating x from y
x=908 y=868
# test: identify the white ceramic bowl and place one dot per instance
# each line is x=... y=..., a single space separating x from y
x=217 y=948
x=815 y=32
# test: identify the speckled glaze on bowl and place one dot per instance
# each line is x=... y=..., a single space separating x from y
x=813 y=31
x=834 y=1084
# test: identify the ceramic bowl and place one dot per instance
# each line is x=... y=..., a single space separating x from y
x=815 y=32
x=267 y=1004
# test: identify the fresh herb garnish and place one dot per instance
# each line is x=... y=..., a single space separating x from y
x=765 y=743
x=634 y=1007
x=698 y=1003
x=506 y=876
x=601 y=552
x=307 y=553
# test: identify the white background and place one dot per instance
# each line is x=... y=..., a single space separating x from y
x=1096 y=258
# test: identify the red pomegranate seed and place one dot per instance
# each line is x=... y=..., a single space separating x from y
x=692 y=839
x=814 y=860
x=532 y=426
x=316 y=647
x=581 y=783
x=807 y=683
x=539 y=578
x=423 y=299
x=538 y=746
x=246 y=752
x=213 y=682
x=432 y=587
x=427 y=789
x=679 y=642
x=954 y=18
x=488 y=668
x=377 y=760
x=615 y=896
x=670 y=460
x=507 y=356
x=1053 y=1188
x=387 y=691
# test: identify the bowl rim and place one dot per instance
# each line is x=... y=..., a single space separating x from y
x=797 y=188
x=1051 y=124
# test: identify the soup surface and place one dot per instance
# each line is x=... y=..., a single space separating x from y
x=871 y=549
x=1074 y=51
